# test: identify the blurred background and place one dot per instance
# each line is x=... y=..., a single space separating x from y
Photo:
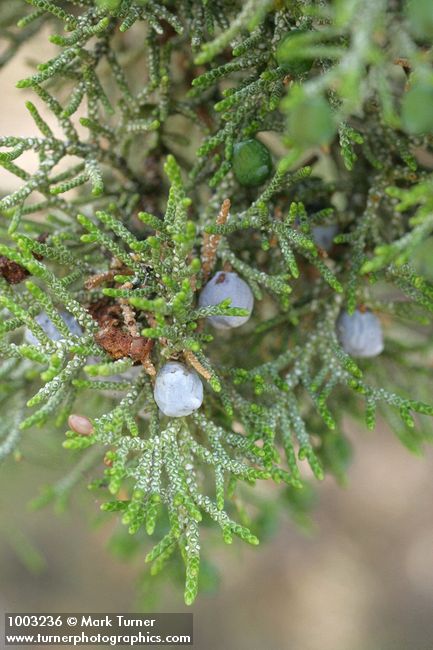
x=358 y=575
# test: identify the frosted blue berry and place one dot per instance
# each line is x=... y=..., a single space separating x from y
x=252 y=162
x=50 y=329
x=227 y=285
x=178 y=390
x=323 y=236
x=360 y=334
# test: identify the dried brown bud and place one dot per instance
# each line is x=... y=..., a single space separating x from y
x=140 y=348
x=114 y=341
x=11 y=271
x=80 y=424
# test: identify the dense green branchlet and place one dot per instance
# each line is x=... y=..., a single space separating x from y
x=176 y=140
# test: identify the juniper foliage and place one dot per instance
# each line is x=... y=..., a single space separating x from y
x=134 y=205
